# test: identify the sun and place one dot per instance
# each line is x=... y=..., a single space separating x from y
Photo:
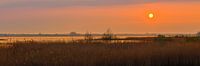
x=151 y=15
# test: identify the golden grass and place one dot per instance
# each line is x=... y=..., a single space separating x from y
x=170 y=53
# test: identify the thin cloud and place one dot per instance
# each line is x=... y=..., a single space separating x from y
x=67 y=3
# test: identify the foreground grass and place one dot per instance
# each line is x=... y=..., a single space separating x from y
x=100 y=54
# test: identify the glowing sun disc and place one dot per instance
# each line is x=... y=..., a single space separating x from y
x=151 y=15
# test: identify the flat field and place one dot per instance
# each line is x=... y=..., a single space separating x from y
x=157 y=53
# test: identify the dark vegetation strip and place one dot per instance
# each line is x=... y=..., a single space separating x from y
x=160 y=52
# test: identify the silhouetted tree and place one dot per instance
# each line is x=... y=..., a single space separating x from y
x=161 y=36
x=179 y=36
x=198 y=34
x=108 y=35
x=88 y=37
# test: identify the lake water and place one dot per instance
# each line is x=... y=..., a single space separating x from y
x=60 y=38
x=38 y=38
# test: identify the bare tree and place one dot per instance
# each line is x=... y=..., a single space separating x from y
x=198 y=34
x=88 y=37
x=108 y=35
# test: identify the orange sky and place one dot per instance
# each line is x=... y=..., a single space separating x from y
x=178 y=17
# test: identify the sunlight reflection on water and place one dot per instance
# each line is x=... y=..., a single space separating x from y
x=14 y=39
x=59 y=38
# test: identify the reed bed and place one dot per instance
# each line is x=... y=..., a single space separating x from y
x=156 y=53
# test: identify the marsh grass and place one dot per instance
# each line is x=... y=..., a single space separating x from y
x=167 y=53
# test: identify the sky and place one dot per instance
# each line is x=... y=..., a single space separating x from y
x=122 y=16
